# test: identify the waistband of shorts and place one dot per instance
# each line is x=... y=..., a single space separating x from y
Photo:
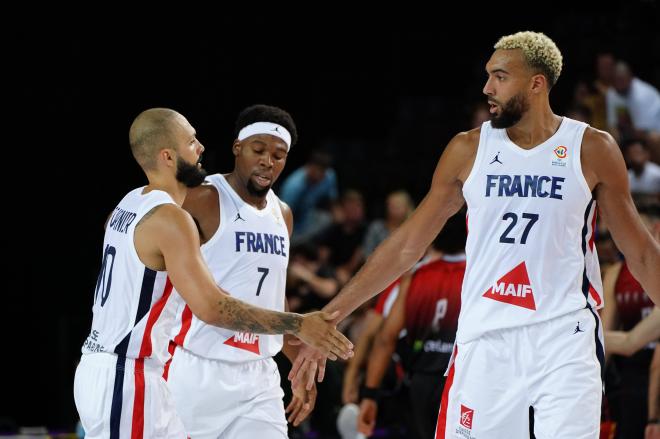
x=114 y=361
x=257 y=363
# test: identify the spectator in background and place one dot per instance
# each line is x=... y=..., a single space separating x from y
x=306 y=191
x=579 y=112
x=399 y=206
x=633 y=109
x=480 y=114
x=341 y=243
x=643 y=174
x=605 y=64
x=585 y=101
x=596 y=99
x=310 y=283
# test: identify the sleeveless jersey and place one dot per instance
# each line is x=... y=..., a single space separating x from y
x=432 y=306
x=133 y=306
x=248 y=257
x=531 y=218
x=386 y=298
x=632 y=303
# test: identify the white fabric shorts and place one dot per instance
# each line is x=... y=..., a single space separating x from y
x=554 y=367
x=119 y=397
x=219 y=399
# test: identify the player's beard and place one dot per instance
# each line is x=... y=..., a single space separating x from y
x=256 y=191
x=511 y=112
x=189 y=174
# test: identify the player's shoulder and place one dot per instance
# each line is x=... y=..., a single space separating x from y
x=465 y=143
x=597 y=141
x=200 y=197
x=167 y=216
x=287 y=213
x=286 y=210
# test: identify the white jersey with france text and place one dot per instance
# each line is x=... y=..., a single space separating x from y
x=133 y=307
x=248 y=257
x=530 y=249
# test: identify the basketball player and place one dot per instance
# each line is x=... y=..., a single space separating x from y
x=225 y=382
x=627 y=305
x=428 y=311
x=629 y=342
x=528 y=334
x=151 y=245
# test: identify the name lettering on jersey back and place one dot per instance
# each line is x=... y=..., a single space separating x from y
x=255 y=242
x=523 y=186
x=121 y=219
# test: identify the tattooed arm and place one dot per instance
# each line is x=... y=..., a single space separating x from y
x=168 y=240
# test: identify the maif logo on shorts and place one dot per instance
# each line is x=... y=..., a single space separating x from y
x=466 y=417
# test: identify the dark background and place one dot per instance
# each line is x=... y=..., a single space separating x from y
x=384 y=94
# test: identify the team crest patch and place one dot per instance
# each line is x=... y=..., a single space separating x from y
x=464 y=430
x=561 y=153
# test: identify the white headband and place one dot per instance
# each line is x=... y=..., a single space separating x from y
x=266 y=128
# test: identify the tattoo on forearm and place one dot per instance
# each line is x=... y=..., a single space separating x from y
x=240 y=316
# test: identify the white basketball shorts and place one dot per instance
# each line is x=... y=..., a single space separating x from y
x=554 y=367
x=219 y=399
x=119 y=397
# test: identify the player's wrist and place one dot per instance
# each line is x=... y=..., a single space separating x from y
x=370 y=393
x=297 y=321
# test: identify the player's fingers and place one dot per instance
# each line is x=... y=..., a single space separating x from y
x=296 y=366
x=340 y=345
x=302 y=414
x=293 y=409
x=311 y=373
x=321 y=366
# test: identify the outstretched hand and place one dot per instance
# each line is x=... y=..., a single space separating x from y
x=366 y=421
x=302 y=403
x=304 y=368
x=318 y=330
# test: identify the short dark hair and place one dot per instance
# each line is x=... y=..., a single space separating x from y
x=451 y=238
x=320 y=158
x=627 y=143
x=266 y=113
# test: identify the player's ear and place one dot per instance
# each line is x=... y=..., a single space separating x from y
x=167 y=156
x=539 y=83
x=236 y=147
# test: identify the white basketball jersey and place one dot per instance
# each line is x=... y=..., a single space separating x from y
x=248 y=257
x=530 y=247
x=133 y=307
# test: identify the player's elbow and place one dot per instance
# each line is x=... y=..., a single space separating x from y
x=207 y=312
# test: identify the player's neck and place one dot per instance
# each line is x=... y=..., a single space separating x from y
x=240 y=187
x=534 y=128
x=173 y=187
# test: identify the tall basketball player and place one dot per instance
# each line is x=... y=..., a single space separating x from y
x=151 y=245
x=528 y=334
x=225 y=382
